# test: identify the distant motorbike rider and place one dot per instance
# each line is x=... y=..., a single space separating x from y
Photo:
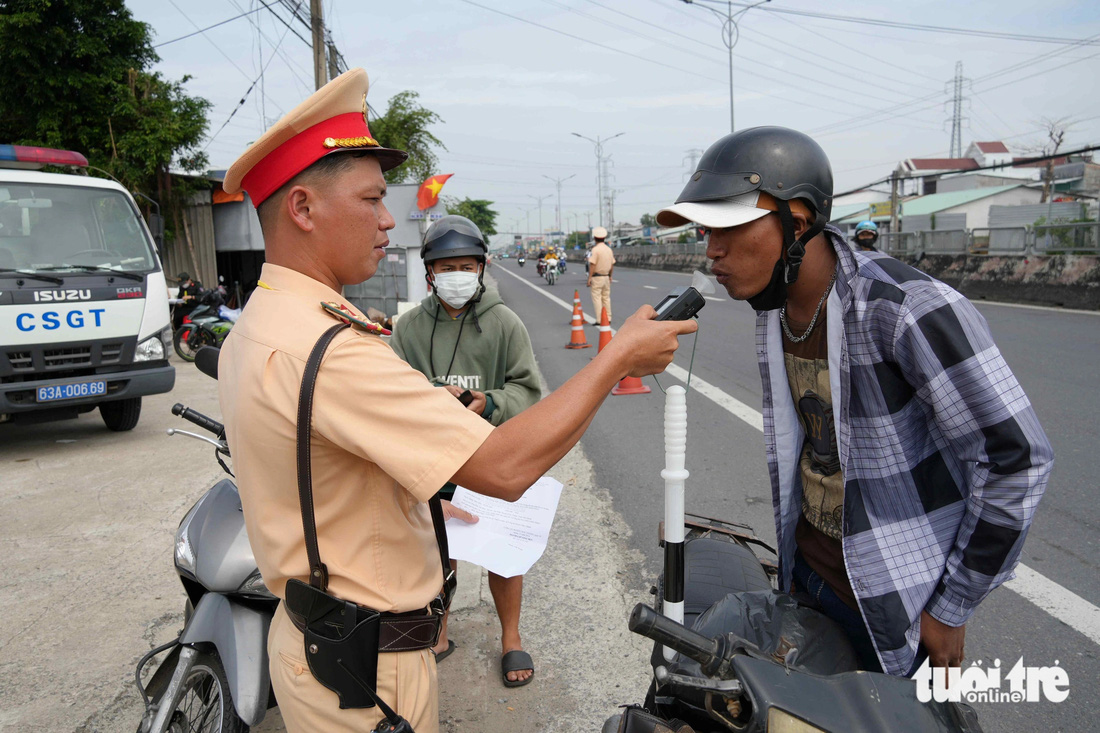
x=906 y=462
x=866 y=235
x=189 y=292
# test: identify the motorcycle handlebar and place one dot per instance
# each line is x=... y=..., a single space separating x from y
x=197 y=418
x=647 y=622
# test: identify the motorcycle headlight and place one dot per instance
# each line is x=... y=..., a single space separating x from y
x=780 y=721
x=151 y=349
x=184 y=555
x=254 y=586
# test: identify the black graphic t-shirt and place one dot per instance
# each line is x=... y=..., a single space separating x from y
x=820 y=528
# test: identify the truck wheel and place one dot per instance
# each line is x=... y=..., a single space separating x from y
x=121 y=415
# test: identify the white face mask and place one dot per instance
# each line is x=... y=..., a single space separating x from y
x=456 y=288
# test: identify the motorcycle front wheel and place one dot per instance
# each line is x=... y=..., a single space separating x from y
x=206 y=704
x=188 y=339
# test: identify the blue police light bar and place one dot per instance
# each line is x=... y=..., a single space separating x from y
x=27 y=156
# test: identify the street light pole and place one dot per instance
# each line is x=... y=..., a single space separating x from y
x=730 y=35
x=540 y=200
x=598 y=142
x=558 y=182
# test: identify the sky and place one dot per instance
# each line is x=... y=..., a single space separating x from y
x=513 y=80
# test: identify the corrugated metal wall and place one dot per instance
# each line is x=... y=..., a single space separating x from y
x=929 y=222
x=388 y=286
x=1028 y=214
x=194 y=254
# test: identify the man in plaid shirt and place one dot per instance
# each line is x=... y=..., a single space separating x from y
x=906 y=462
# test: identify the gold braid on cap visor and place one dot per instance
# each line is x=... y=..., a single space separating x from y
x=350 y=142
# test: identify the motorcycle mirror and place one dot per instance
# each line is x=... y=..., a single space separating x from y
x=206 y=359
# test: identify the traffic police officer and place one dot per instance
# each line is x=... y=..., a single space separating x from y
x=383 y=439
x=601 y=263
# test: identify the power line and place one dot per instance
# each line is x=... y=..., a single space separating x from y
x=916 y=26
x=592 y=43
x=203 y=30
x=247 y=91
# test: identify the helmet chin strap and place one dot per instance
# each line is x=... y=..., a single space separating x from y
x=796 y=246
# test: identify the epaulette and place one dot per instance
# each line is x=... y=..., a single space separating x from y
x=341 y=312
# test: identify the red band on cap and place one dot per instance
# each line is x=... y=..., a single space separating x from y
x=299 y=153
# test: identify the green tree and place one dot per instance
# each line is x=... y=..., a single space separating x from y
x=77 y=77
x=648 y=220
x=477 y=211
x=405 y=126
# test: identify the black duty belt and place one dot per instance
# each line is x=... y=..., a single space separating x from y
x=397 y=632
x=601 y=274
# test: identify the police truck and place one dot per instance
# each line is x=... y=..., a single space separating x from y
x=84 y=319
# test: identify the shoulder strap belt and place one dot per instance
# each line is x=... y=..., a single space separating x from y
x=318 y=573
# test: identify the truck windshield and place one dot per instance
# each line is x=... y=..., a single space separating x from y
x=55 y=227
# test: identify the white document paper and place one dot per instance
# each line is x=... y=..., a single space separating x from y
x=509 y=537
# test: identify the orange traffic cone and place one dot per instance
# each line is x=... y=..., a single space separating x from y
x=631 y=385
x=577 y=340
x=626 y=385
x=605 y=330
x=577 y=305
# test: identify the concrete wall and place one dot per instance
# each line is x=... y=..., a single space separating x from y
x=1070 y=281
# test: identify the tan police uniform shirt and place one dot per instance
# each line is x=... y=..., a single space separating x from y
x=384 y=441
x=602 y=259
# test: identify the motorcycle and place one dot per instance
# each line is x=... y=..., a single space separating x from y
x=550 y=271
x=753 y=660
x=215 y=677
x=521 y=261
x=540 y=267
x=561 y=265
x=204 y=326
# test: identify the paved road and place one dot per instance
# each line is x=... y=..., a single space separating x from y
x=1053 y=354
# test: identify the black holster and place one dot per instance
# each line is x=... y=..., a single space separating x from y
x=341 y=643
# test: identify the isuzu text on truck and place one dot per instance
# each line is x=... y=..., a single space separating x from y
x=84 y=319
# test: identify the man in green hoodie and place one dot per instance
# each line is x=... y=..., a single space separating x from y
x=464 y=339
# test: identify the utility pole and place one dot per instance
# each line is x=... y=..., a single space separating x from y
x=598 y=142
x=956 y=102
x=607 y=162
x=691 y=156
x=731 y=33
x=317 y=23
x=558 y=182
x=894 y=206
x=333 y=56
x=540 y=199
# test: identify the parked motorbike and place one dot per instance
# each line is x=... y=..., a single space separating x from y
x=215 y=677
x=753 y=660
x=207 y=325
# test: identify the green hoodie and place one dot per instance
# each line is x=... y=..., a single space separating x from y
x=498 y=360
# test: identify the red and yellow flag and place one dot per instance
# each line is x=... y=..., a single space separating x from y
x=428 y=195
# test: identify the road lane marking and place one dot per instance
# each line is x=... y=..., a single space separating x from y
x=650 y=287
x=1058 y=601
x=1049 y=308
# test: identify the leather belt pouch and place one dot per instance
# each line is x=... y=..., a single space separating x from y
x=341 y=642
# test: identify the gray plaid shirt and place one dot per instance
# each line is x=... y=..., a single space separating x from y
x=943 y=457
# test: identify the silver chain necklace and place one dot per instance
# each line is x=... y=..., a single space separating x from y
x=809 y=329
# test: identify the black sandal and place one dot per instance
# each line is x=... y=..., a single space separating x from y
x=516 y=660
